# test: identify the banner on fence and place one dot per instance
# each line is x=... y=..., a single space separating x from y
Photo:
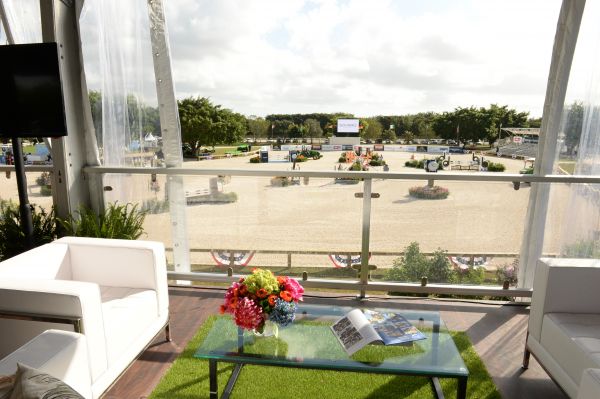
x=225 y=258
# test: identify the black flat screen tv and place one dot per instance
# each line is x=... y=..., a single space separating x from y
x=31 y=98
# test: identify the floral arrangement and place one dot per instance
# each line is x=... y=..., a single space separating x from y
x=260 y=297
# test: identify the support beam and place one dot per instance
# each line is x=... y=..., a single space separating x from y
x=171 y=132
x=69 y=190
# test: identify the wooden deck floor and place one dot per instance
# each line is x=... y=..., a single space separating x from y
x=497 y=332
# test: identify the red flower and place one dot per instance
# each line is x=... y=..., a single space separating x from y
x=286 y=296
x=222 y=309
x=261 y=293
x=272 y=299
x=243 y=290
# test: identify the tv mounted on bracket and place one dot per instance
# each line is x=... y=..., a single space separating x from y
x=31 y=98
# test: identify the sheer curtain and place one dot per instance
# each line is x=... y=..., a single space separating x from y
x=24 y=20
x=118 y=63
x=575 y=208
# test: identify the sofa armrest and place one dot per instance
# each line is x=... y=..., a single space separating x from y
x=61 y=298
x=564 y=285
x=61 y=354
x=589 y=388
x=120 y=263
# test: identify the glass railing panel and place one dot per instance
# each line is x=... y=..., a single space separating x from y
x=470 y=234
x=289 y=225
x=39 y=188
x=573 y=222
x=148 y=193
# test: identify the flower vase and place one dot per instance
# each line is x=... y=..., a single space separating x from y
x=270 y=329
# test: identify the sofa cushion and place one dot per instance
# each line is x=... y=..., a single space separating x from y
x=573 y=340
x=127 y=313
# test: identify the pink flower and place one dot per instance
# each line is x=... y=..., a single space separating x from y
x=248 y=314
x=294 y=288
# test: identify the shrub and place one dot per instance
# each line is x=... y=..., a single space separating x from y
x=342 y=159
x=435 y=192
x=218 y=198
x=117 y=221
x=301 y=158
x=508 y=273
x=582 y=249
x=255 y=159
x=413 y=163
x=46 y=191
x=496 y=167
x=471 y=275
x=377 y=162
x=414 y=265
x=12 y=238
x=154 y=206
x=311 y=154
x=45 y=179
x=281 y=181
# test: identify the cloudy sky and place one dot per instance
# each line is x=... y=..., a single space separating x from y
x=365 y=57
x=368 y=57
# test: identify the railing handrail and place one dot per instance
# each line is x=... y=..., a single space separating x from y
x=443 y=175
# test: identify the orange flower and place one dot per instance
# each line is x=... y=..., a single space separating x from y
x=243 y=290
x=233 y=303
x=222 y=309
x=281 y=280
x=286 y=296
x=272 y=299
x=262 y=293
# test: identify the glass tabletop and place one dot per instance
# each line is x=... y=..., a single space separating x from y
x=309 y=343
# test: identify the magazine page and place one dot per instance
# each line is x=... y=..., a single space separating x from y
x=392 y=327
x=354 y=331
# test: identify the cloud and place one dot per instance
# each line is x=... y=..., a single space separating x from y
x=365 y=57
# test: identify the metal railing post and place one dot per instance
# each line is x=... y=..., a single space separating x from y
x=366 y=234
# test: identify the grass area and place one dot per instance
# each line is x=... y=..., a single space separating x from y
x=568 y=167
x=188 y=378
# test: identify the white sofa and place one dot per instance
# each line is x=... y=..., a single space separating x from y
x=564 y=322
x=114 y=291
x=62 y=354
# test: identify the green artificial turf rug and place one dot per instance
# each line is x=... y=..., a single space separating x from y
x=188 y=378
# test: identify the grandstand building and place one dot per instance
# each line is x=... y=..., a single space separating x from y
x=518 y=142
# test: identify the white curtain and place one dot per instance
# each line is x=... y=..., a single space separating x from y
x=24 y=20
x=118 y=64
x=578 y=233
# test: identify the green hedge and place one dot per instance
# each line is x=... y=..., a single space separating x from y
x=496 y=167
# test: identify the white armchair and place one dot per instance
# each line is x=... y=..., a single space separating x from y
x=113 y=291
x=564 y=321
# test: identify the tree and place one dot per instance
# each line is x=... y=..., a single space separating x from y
x=258 y=127
x=388 y=135
x=573 y=126
x=203 y=123
x=313 y=128
x=372 y=130
x=408 y=137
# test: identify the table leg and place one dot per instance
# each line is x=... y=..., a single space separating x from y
x=212 y=375
x=232 y=379
x=437 y=388
x=462 y=388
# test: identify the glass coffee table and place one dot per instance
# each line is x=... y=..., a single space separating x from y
x=309 y=343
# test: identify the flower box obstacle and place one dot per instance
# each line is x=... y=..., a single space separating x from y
x=429 y=192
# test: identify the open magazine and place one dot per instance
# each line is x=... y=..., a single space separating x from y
x=359 y=328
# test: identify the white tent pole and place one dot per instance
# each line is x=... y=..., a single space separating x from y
x=171 y=133
x=565 y=40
